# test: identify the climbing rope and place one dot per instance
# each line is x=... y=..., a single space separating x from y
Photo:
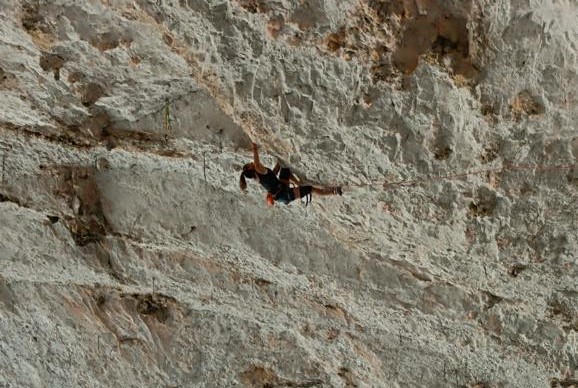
x=167 y=120
x=507 y=167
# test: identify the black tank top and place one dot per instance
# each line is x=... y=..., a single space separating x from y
x=269 y=181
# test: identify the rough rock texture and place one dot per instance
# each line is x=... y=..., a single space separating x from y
x=129 y=258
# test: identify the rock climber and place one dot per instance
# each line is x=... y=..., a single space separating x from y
x=278 y=188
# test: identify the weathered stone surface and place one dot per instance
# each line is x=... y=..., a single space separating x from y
x=129 y=257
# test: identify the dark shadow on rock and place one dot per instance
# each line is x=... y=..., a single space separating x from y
x=78 y=187
x=52 y=62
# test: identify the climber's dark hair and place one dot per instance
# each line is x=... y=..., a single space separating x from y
x=249 y=172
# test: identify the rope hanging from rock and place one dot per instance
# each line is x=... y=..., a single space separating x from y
x=507 y=167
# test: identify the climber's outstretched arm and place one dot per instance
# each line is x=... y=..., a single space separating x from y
x=258 y=166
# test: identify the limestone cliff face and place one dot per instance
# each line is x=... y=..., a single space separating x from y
x=128 y=256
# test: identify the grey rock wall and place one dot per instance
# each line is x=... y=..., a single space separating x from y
x=129 y=257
